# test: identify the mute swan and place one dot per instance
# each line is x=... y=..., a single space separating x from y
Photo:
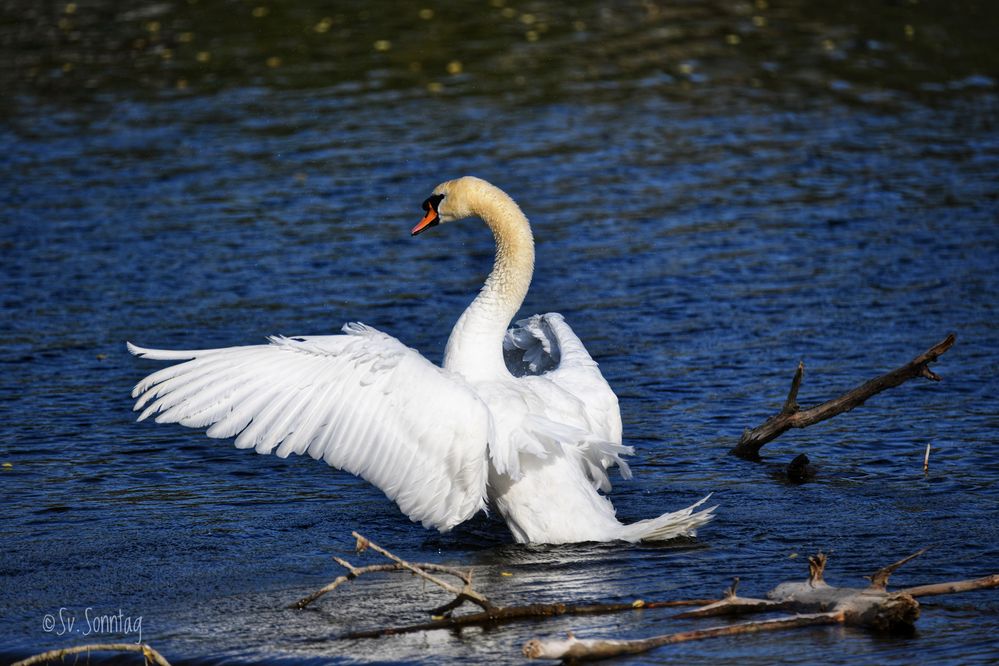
x=521 y=418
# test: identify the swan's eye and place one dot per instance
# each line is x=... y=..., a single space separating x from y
x=432 y=202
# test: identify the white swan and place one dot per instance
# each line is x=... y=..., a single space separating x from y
x=521 y=418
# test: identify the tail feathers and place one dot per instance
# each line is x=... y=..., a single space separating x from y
x=669 y=525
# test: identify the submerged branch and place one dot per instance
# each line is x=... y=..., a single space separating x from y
x=791 y=416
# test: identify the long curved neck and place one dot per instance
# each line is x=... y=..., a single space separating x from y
x=475 y=348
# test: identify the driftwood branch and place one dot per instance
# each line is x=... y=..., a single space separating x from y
x=791 y=416
x=573 y=649
x=816 y=601
x=150 y=655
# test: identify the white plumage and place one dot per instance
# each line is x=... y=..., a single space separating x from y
x=521 y=418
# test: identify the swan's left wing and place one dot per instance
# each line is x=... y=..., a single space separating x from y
x=363 y=402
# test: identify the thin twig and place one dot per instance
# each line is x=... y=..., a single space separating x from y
x=926 y=460
x=148 y=653
x=733 y=606
x=791 y=404
x=791 y=417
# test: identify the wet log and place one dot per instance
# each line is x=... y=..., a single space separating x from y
x=792 y=416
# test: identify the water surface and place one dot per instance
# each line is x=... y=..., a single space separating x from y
x=718 y=190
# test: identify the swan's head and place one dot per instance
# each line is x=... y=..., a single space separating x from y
x=451 y=200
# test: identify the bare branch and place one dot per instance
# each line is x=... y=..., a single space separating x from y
x=733 y=606
x=983 y=583
x=354 y=572
x=149 y=654
x=791 y=417
x=504 y=614
x=585 y=650
x=466 y=592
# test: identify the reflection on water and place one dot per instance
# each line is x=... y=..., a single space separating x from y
x=718 y=190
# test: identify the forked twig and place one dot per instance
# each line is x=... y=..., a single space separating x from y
x=354 y=572
x=465 y=593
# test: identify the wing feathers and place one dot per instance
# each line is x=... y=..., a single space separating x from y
x=363 y=402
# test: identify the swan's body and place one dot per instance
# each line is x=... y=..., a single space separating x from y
x=438 y=441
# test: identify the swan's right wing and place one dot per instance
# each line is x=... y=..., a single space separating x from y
x=545 y=345
x=363 y=402
x=553 y=362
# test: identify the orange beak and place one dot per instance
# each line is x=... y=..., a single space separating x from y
x=429 y=220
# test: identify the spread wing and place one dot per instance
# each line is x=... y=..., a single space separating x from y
x=363 y=402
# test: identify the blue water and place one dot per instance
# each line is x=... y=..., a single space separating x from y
x=702 y=228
